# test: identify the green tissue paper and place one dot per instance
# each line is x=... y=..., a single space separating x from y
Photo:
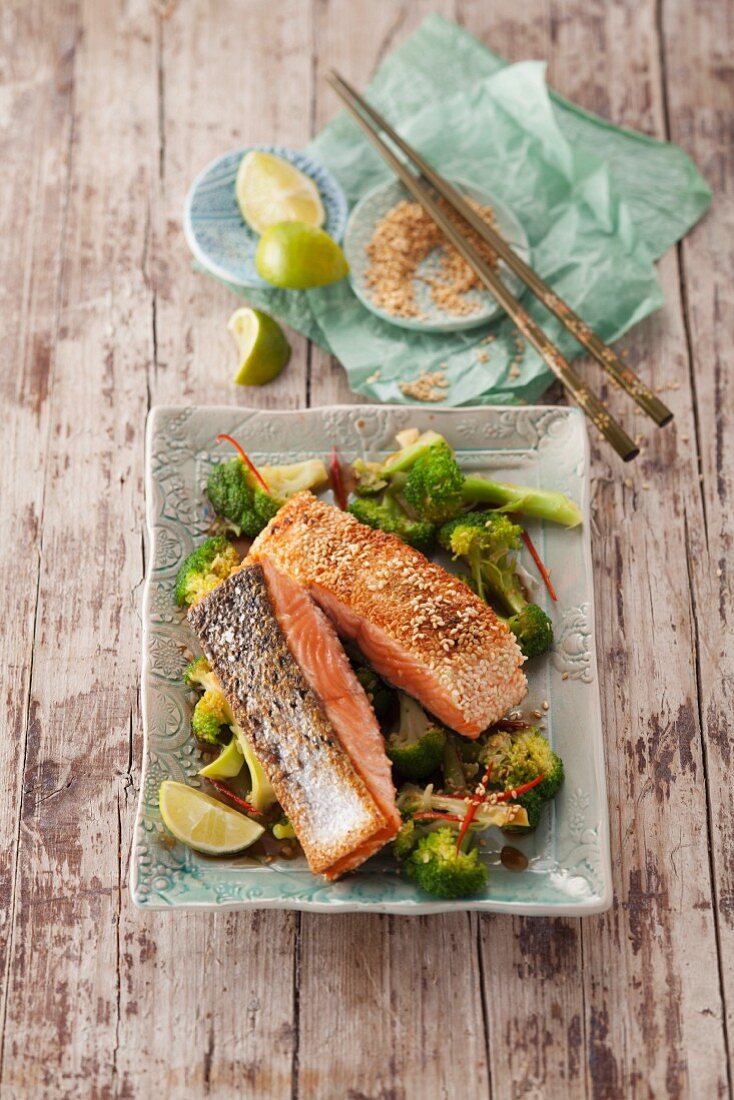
x=598 y=203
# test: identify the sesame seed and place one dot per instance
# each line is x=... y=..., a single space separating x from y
x=403 y=239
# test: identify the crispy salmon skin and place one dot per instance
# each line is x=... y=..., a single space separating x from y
x=419 y=626
x=337 y=820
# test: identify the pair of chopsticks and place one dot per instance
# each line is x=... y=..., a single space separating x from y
x=371 y=123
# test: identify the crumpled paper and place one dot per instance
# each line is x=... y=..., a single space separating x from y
x=598 y=204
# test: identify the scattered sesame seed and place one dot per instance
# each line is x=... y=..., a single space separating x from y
x=719 y=572
x=628 y=482
x=545 y=704
x=403 y=239
x=646 y=485
x=564 y=675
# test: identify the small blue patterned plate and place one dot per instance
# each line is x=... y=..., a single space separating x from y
x=215 y=230
x=373 y=206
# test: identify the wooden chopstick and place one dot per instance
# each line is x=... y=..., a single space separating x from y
x=584 y=397
x=605 y=355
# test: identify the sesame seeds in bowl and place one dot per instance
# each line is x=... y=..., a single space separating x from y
x=403 y=272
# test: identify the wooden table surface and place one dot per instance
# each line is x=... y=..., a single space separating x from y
x=106 y=112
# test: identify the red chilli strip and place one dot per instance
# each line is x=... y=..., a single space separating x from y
x=509 y=725
x=337 y=481
x=429 y=815
x=541 y=568
x=476 y=801
x=510 y=796
x=247 y=461
x=228 y=793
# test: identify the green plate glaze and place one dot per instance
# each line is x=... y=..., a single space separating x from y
x=569 y=868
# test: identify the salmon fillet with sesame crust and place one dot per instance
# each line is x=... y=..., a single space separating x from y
x=421 y=628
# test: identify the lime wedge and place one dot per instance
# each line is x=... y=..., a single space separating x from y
x=227 y=765
x=262 y=346
x=270 y=190
x=201 y=822
x=296 y=256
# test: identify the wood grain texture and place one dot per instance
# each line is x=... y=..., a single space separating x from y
x=36 y=105
x=107 y=110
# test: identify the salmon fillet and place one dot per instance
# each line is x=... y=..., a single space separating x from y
x=302 y=741
x=420 y=627
x=318 y=652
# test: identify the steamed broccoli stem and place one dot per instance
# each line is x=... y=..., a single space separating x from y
x=204 y=569
x=262 y=796
x=453 y=770
x=416 y=747
x=283 y=830
x=440 y=870
x=542 y=503
x=246 y=507
x=406 y=457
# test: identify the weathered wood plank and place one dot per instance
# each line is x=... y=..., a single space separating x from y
x=228 y=77
x=222 y=984
x=373 y=1013
x=62 y=1027
x=36 y=87
x=700 y=101
x=354 y=38
x=629 y=1041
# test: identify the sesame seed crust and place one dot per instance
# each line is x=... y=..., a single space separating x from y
x=438 y=623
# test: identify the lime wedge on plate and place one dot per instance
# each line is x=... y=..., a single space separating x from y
x=201 y=822
x=270 y=190
x=227 y=765
x=262 y=345
x=296 y=256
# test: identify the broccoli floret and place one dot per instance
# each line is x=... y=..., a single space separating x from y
x=211 y=718
x=532 y=629
x=516 y=759
x=416 y=747
x=489 y=542
x=405 y=841
x=439 y=869
x=439 y=486
x=205 y=568
x=247 y=508
x=434 y=485
x=386 y=515
x=199 y=675
x=373 y=477
x=382 y=697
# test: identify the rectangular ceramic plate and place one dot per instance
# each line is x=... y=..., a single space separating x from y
x=569 y=868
